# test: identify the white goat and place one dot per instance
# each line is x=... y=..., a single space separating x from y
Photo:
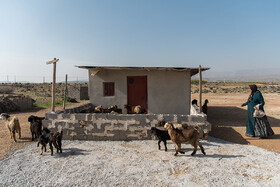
x=12 y=124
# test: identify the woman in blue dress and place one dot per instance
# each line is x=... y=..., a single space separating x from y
x=256 y=127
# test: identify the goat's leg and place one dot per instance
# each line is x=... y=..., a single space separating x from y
x=42 y=150
x=178 y=149
x=19 y=133
x=59 y=146
x=32 y=134
x=194 y=150
x=202 y=149
x=159 y=144
x=51 y=147
x=11 y=134
x=14 y=136
x=55 y=145
x=164 y=141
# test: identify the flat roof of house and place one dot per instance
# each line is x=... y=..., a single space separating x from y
x=179 y=69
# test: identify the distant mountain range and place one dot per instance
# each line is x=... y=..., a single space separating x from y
x=248 y=75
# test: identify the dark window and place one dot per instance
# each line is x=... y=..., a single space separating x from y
x=109 y=88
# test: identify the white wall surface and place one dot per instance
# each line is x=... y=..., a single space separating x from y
x=168 y=91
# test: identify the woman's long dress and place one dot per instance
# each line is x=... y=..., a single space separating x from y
x=259 y=127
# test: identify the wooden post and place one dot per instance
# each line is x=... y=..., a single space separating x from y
x=65 y=93
x=200 y=89
x=53 y=83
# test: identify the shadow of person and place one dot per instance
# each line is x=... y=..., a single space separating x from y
x=224 y=119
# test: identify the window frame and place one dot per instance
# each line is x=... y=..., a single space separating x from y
x=108 y=89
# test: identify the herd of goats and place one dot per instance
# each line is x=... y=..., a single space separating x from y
x=44 y=135
x=177 y=133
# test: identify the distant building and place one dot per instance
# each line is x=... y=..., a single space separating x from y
x=78 y=91
x=160 y=90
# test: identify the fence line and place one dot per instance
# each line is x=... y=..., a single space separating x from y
x=40 y=79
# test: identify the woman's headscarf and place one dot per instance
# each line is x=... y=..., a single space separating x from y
x=254 y=89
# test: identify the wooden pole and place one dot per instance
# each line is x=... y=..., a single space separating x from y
x=53 y=87
x=65 y=92
x=53 y=83
x=200 y=89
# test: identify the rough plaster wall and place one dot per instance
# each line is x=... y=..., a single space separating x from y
x=168 y=91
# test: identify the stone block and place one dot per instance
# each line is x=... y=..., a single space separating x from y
x=67 y=137
x=66 y=116
x=46 y=123
x=80 y=131
x=51 y=116
x=80 y=137
x=80 y=117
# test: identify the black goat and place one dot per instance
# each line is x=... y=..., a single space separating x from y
x=50 y=138
x=204 y=107
x=162 y=135
x=35 y=126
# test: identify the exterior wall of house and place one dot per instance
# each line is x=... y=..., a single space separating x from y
x=168 y=91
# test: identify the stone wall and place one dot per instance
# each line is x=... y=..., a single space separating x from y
x=91 y=126
x=22 y=102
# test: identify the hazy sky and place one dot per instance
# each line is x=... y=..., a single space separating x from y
x=220 y=34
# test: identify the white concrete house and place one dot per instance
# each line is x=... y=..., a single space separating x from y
x=160 y=90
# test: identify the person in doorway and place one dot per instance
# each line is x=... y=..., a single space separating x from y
x=256 y=127
x=194 y=107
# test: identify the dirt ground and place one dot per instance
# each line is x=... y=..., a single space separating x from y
x=7 y=144
x=228 y=118
x=225 y=113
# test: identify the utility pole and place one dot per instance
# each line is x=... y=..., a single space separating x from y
x=65 y=93
x=200 y=89
x=54 y=61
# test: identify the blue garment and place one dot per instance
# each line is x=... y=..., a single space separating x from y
x=256 y=99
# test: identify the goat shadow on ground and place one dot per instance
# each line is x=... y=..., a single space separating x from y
x=24 y=140
x=71 y=152
x=209 y=156
x=224 y=118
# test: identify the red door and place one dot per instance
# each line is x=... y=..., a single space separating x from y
x=137 y=91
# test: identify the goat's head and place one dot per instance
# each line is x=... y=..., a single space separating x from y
x=161 y=123
x=4 y=116
x=98 y=107
x=168 y=125
x=31 y=118
x=194 y=102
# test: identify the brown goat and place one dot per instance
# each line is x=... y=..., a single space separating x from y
x=133 y=109
x=186 y=135
x=98 y=109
